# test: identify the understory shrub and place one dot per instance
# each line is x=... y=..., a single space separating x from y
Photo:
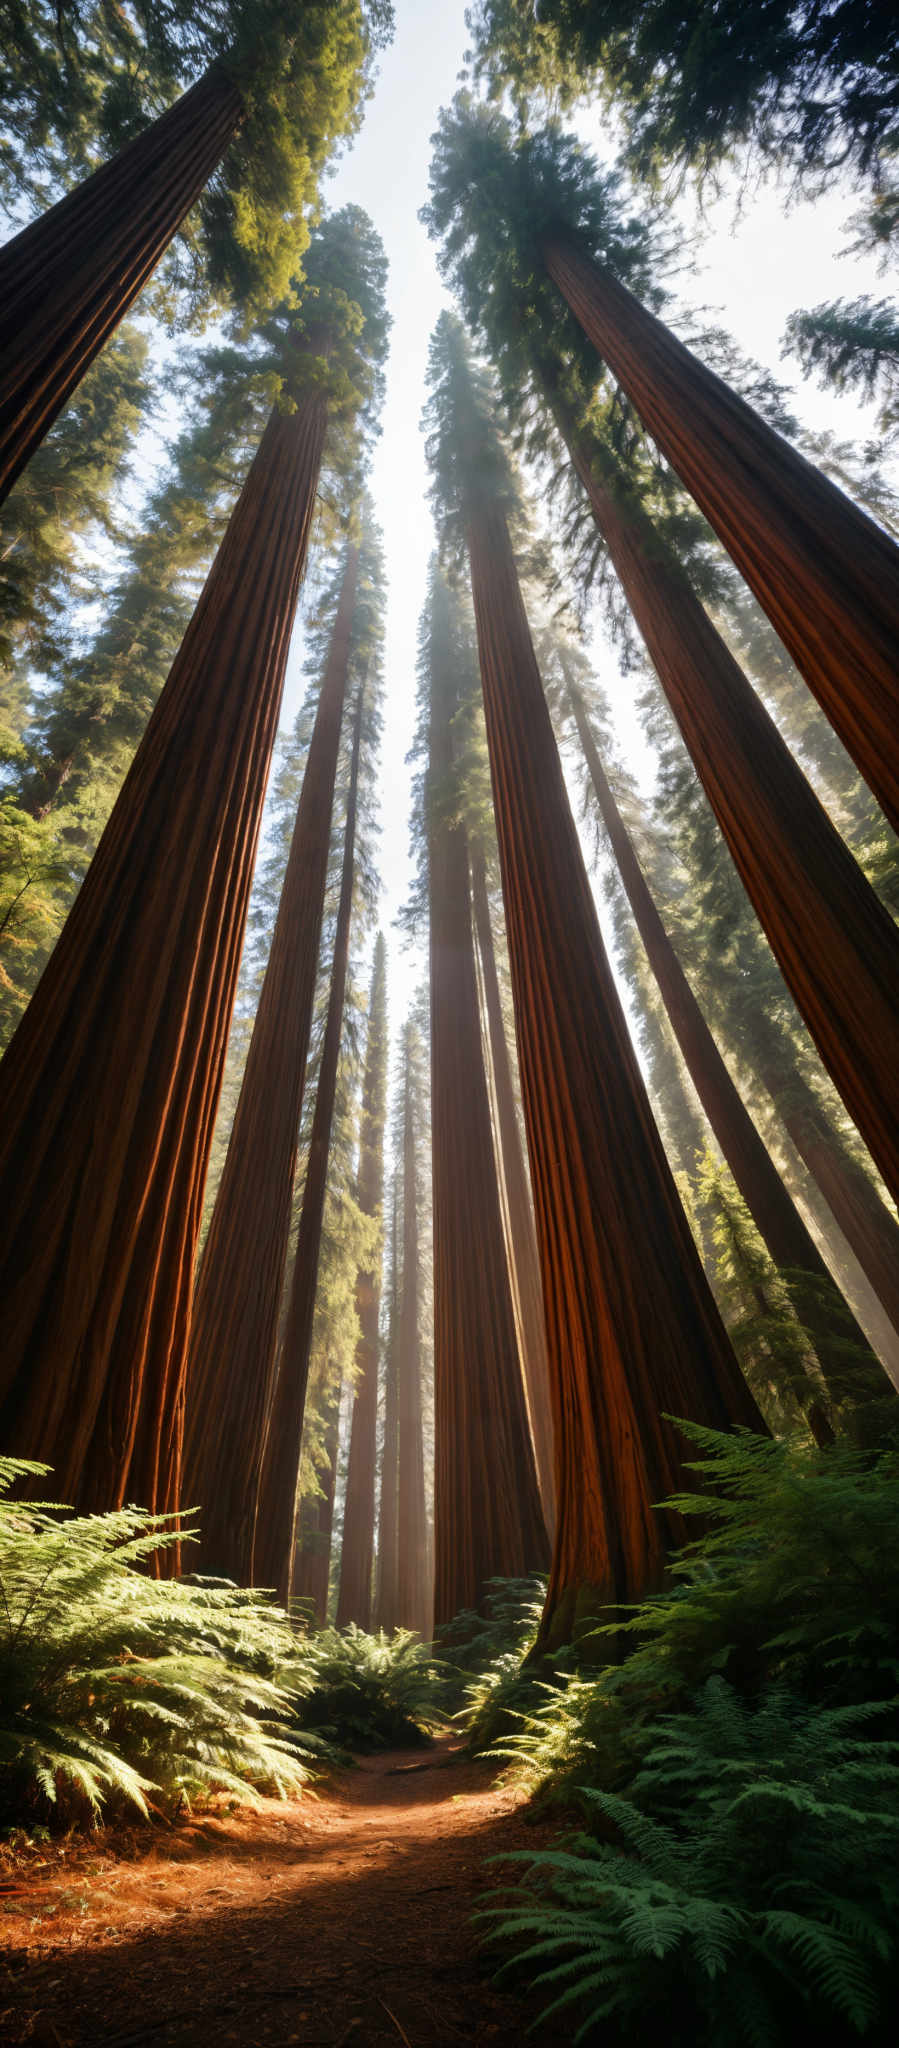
x=119 y=1687
x=483 y=1652
x=750 y=1893
x=365 y=1692
x=736 y=1772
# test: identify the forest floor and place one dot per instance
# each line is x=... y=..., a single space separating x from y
x=339 y=1921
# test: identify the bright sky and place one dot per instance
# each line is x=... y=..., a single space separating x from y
x=754 y=270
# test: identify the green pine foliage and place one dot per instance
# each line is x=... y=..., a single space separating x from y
x=750 y=1888
x=122 y=1689
x=77 y=84
x=368 y=1692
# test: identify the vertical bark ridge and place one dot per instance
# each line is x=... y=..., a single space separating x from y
x=524 y=1259
x=273 y=1547
x=825 y=574
x=234 y=1324
x=67 y=280
x=109 y=1086
x=632 y=1329
x=354 y=1600
x=487 y=1517
x=774 y=1213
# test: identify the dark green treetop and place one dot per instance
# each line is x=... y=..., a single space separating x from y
x=807 y=87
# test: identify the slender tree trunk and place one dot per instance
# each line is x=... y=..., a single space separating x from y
x=68 y=279
x=312 y=1556
x=272 y=1563
x=771 y=1207
x=109 y=1087
x=487 y=1517
x=414 y=1591
x=632 y=1329
x=835 y=942
x=525 y=1263
x=388 y=1607
x=234 y=1325
x=850 y=1194
x=826 y=575
x=357 y=1549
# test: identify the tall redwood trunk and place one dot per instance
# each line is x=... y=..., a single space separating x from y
x=525 y=1262
x=771 y=1207
x=234 y=1323
x=487 y=1517
x=388 y=1608
x=826 y=575
x=68 y=279
x=272 y=1561
x=312 y=1556
x=109 y=1088
x=835 y=942
x=414 y=1592
x=357 y=1548
x=632 y=1329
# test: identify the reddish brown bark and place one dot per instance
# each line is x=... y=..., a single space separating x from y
x=414 y=1593
x=826 y=575
x=110 y=1085
x=388 y=1608
x=67 y=280
x=525 y=1263
x=272 y=1563
x=358 y=1545
x=633 y=1332
x=775 y=1215
x=234 y=1323
x=487 y=1517
x=835 y=942
x=312 y=1556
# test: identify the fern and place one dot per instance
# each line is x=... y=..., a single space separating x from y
x=367 y=1692
x=750 y=1884
x=118 y=1686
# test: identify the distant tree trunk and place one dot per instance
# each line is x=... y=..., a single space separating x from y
x=487 y=1517
x=632 y=1329
x=67 y=280
x=525 y=1261
x=771 y=1207
x=272 y=1563
x=357 y=1548
x=388 y=1609
x=835 y=942
x=850 y=1194
x=312 y=1555
x=414 y=1592
x=109 y=1087
x=826 y=575
x=234 y=1324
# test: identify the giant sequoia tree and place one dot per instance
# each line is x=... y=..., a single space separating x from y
x=414 y=1594
x=286 y=78
x=633 y=1333
x=831 y=935
x=357 y=1553
x=849 y=1368
x=826 y=575
x=111 y=1081
x=487 y=1516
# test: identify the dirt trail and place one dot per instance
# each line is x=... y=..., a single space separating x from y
x=337 y=1922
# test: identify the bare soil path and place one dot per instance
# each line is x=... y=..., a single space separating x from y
x=337 y=1922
